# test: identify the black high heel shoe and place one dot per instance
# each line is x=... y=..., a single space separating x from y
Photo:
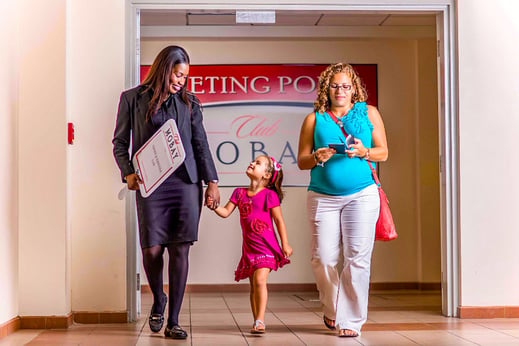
x=156 y=321
x=175 y=333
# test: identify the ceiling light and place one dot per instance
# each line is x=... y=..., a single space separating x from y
x=256 y=17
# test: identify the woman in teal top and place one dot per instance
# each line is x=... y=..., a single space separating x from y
x=343 y=201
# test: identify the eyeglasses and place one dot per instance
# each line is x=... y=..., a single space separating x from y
x=346 y=87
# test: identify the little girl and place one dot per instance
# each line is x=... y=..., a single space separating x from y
x=258 y=205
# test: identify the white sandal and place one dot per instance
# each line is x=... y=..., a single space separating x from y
x=255 y=329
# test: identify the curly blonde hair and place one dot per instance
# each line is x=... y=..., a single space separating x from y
x=322 y=103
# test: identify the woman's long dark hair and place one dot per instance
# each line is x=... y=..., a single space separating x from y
x=158 y=78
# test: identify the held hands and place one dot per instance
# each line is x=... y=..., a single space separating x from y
x=212 y=196
x=133 y=181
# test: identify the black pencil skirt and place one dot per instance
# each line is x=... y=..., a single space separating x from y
x=171 y=214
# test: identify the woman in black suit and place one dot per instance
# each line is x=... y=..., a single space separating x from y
x=169 y=217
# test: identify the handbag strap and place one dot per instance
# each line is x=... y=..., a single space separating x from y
x=338 y=122
x=375 y=177
x=341 y=126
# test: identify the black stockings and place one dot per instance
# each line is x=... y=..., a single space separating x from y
x=177 y=271
x=178 y=268
x=153 y=264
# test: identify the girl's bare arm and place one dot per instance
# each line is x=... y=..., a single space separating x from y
x=226 y=210
x=277 y=216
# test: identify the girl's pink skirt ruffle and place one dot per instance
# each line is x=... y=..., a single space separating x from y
x=246 y=268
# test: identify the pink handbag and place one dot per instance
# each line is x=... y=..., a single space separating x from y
x=385 y=229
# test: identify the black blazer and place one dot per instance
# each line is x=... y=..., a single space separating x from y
x=131 y=123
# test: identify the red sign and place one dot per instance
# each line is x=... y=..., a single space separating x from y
x=217 y=84
x=258 y=109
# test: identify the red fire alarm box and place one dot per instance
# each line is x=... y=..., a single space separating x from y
x=70 y=133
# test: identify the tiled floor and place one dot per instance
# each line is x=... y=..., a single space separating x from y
x=293 y=318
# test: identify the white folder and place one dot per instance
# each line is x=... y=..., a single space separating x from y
x=159 y=157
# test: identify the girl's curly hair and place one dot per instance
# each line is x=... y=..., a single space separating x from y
x=322 y=102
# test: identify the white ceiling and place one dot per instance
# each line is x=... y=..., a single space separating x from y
x=286 y=18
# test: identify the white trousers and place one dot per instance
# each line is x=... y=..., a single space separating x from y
x=346 y=222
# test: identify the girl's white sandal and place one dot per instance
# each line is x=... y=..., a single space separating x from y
x=258 y=327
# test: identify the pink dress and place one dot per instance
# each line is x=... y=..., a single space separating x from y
x=260 y=247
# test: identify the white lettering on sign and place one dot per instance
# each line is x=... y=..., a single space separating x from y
x=258 y=85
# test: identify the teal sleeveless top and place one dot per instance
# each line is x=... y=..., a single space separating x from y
x=342 y=176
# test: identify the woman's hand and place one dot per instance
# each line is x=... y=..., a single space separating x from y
x=212 y=196
x=357 y=150
x=322 y=155
x=133 y=181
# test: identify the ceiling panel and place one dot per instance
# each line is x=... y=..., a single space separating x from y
x=284 y=18
x=297 y=19
x=151 y=18
x=352 y=19
x=211 y=19
x=411 y=20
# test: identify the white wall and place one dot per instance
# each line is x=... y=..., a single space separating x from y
x=399 y=78
x=9 y=163
x=95 y=77
x=58 y=207
x=72 y=253
x=489 y=122
x=43 y=234
x=36 y=103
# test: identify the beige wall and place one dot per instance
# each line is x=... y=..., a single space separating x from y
x=8 y=163
x=489 y=122
x=407 y=101
x=427 y=165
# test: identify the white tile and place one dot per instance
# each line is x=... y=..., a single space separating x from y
x=376 y=338
x=435 y=338
x=20 y=337
x=512 y=332
x=487 y=337
x=292 y=318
